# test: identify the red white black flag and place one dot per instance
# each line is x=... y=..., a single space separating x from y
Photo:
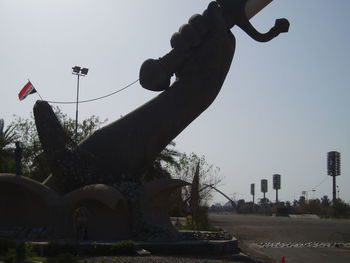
x=26 y=90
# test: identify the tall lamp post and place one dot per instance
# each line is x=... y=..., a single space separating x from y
x=264 y=188
x=252 y=191
x=79 y=72
x=276 y=179
x=333 y=167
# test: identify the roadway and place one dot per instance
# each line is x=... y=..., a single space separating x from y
x=299 y=240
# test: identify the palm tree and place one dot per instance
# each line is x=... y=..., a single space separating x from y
x=162 y=164
x=7 y=137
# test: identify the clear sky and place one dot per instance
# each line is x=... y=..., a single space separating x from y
x=283 y=106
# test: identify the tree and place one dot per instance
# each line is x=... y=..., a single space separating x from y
x=7 y=139
x=208 y=175
x=34 y=160
x=325 y=200
x=302 y=200
x=163 y=164
x=264 y=202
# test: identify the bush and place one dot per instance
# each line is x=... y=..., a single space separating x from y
x=10 y=252
x=126 y=247
x=5 y=245
x=203 y=224
x=63 y=258
x=57 y=248
x=20 y=252
x=341 y=209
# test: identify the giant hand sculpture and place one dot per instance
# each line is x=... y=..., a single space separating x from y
x=122 y=150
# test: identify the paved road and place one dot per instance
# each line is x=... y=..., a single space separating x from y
x=253 y=232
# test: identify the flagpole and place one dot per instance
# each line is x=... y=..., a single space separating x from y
x=36 y=90
x=39 y=94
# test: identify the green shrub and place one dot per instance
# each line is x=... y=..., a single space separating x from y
x=5 y=245
x=98 y=250
x=56 y=248
x=37 y=258
x=17 y=253
x=63 y=258
x=126 y=247
x=189 y=220
x=9 y=256
x=341 y=209
x=20 y=252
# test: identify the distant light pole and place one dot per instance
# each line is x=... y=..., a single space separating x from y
x=264 y=189
x=338 y=191
x=252 y=191
x=79 y=72
x=276 y=179
x=333 y=167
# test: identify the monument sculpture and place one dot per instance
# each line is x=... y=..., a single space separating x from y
x=104 y=172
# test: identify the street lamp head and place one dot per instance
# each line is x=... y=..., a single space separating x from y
x=84 y=71
x=76 y=69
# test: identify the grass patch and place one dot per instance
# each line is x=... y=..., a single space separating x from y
x=201 y=226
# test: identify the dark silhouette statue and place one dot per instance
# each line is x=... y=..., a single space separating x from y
x=201 y=57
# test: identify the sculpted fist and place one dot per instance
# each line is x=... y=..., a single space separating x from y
x=203 y=46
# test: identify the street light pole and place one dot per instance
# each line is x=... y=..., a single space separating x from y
x=79 y=72
x=76 y=111
x=333 y=167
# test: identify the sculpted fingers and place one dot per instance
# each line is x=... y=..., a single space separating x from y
x=200 y=24
x=214 y=16
x=178 y=42
x=192 y=34
x=186 y=38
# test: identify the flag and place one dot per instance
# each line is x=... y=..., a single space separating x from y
x=26 y=90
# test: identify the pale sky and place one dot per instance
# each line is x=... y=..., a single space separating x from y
x=283 y=106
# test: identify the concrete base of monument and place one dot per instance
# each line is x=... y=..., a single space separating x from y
x=31 y=210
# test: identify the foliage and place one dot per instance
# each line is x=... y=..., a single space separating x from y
x=36 y=259
x=163 y=164
x=7 y=139
x=322 y=207
x=7 y=136
x=21 y=251
x=34 y=161
x=5 y=244
x=12 y=252
x=63 y=258
x=341 y=209
x=56 y=248
x=208 y=175
x=126 y=247
x=203 y=226
x=247 y=208
x=325 y=200
x=9 y=255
